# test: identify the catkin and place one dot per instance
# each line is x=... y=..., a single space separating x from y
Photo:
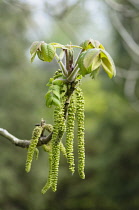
x=48 y=183
x=63 y=149
x=70 y=134
x=59 y=128
x=46 y=147
x=36 y=153
x=81 y=143
x=35 y=137
x=48 y=127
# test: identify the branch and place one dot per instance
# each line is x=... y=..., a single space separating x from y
x=62 y=67
x=132 y=45
x=134 y=3
x=13 y=139
x=124 y=9
x=23 y=143
x=65 y=9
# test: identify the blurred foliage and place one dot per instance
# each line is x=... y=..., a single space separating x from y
x=112 y=137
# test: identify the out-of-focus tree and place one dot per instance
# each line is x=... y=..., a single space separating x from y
x=21 y=104
x=125 y=18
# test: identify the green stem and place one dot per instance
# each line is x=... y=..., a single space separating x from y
x=76 y=61
x=73 y=74
x=62 y=67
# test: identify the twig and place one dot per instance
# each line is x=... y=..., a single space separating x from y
x=125 y=35
x=124 y=9
x=134 y=3
x=13 y=139
x=50 y=9
x=23 y=143
x=64 y=70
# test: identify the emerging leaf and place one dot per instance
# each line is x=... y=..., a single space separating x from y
x=56 y=102
x=40 y=56
x=34 y=47
x=91 y=57
x=83 y=70
x=53 y=96
x=48 y=52
x=107 y=63
x=90 y=44
x=58 y=81
x=49 y=99
x=96 y=44
x=86 y=45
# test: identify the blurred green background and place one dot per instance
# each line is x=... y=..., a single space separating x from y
x=111 y=108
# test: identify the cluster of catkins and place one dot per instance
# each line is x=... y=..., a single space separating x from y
x=62 y=125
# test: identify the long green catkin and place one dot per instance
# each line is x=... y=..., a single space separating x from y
x=48 y=183
x=70 y=134
x=59 y=128
x=36 y=154
x=63 y=149
x=81 y=142
x=48 y=127
x=34 y=141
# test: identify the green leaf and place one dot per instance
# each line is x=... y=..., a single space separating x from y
x=56 y=102
x=90 y=44
x=57 y=94
x=96 y=44
x=83 y=70
x=96 y=63
x=48 y=52
x=34 y=47
x=53 y=96
x=58 y=81
x=84 y=45
x=49 y=99
x=107 y=63
x=50 y=82
x=91 y=57
x=40 y=56
x=56 y=91
x=55 y=87
x=87 y=44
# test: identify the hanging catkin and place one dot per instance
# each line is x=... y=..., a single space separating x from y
x=58 y=131
x=70 y=134
x=48 y=183
x=35 y=137
x=81 y=143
